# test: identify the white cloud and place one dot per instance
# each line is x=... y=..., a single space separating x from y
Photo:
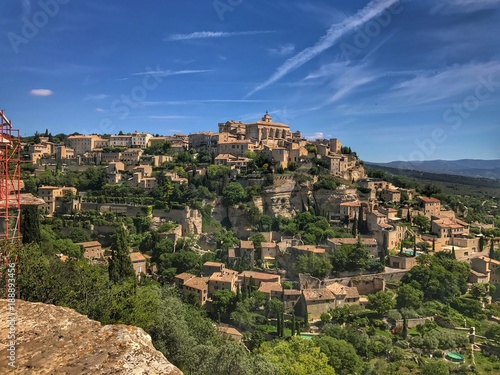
x=41 y=92
x=314 y=136
x=436 y=85
x=172 y=117
x=96 y=97
x=213 y=34
x=373 y=9
x=165 y=73
x=463 y=6
x=196 y=101
x=100 y=110
x=283 y=50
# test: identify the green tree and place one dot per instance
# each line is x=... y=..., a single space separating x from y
x=422 y=222
x=223 y=302
x=381 y=302
x=30 y=225
x=78 y=235
x=296 y=357
x=359 y=257
x=318 y=265
x=341 y=355
x=233 y=194
x=438 y=367
x=409 y=297
x=479 y=290
x=120 y=265
x=439 y=277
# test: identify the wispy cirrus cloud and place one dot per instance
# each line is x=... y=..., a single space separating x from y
x=282 y=50
x=165 y=73
x=213 y=34
x=336 y=31
x=463 y=6
x=41 y=92
x=201 y=101
x=435 y=85
x=172 y=117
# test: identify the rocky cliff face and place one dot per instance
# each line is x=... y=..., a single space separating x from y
x=328 y=202
x=58 y=340
x=286 y=197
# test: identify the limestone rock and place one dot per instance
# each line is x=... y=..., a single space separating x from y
x=58 y=340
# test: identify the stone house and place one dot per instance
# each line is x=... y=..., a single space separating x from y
x=93 y=251
x=138 y=262
x=198 y=286
x=430 y=206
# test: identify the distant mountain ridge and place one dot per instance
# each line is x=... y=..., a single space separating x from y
x=465 y=167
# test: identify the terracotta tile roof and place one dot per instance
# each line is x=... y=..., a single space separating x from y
x=225 y=277
x=258 y=275
x=337 y=289
x=478 y=274
x=199 y=283
x=246 y=244
x=351 y=292
x=213 y=264
x=322 y=294
x=268 y=287
x=184 y=276
x=449 y=223
x=230 y=331
x=429 y=200
x=310 y=248
x=137 y=257
x=89 y=244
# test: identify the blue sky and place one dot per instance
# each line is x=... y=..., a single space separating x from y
x=394 y=80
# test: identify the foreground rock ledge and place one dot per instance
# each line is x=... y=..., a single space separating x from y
x=58 y=340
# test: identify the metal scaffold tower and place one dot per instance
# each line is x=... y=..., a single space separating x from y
x=10 y=183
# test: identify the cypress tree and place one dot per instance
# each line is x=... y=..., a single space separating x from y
x=120 y=265
x=415 y=246
x=481 y=243
x=433 y=244
x=453 y=252
x=30 y=225
x=385 y=250
x=354 y=229
x=360 y=220
x=405 y=329
x=492 y=249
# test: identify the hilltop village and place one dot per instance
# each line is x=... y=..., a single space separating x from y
x=271 y=234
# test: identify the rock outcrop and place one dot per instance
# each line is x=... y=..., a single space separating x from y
x=57 y=340
x=285 y=197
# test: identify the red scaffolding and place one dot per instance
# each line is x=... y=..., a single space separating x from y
x=10 y=182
